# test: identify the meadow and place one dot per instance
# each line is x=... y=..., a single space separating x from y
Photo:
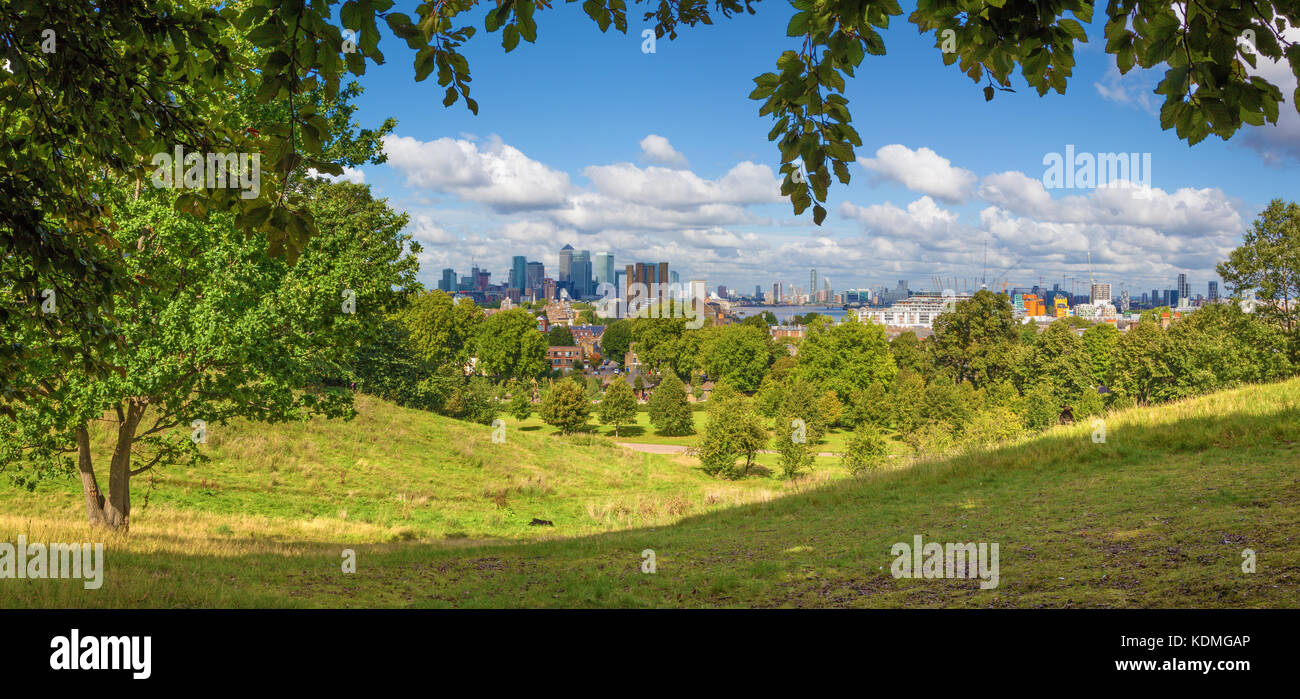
x=1157 y=515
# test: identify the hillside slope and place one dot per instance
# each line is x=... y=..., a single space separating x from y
x=1156 y=516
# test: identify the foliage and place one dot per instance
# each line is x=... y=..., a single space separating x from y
x=670 y=413
x=508 y=346
x=865 y=449
x=559 y=336
x=974 y=339
x=617 y=339
x=739 y=354
x=440 y=330
x=845 y=357
x=734 y=431
x=1268 y=264
x=521 y=404
x=565 y=406
x=618 y=407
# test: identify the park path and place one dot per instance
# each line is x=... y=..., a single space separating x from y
x=679 y=449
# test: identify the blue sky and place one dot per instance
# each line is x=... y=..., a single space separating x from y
x=555 y=156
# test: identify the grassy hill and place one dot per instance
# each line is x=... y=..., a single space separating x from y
x=1157 y=515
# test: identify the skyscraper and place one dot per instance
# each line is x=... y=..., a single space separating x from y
x=518 y=273
x=604 y=268
x=1100 y=292
x=448 y=283
x=537 y=278
x=1184 y=289
x=812 y=285
x=580 y=274
x=566 y=262
x=1214 y=292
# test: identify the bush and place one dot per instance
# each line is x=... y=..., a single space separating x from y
x=865 y=449
x=992 y=425
x=521 y=404
x=669 y=412
x=565 y=407
x=474 y=400
x=618 y=407
x=795 y=456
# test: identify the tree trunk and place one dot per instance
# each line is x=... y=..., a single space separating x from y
x=89 y=485
x=117 y=512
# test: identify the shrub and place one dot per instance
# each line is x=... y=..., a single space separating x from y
x=865 y=449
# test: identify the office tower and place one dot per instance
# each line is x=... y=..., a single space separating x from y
x=1184 y=289
x=536 y=278
x=672 y=277
x=722 y=291
x=448 y=283
x=1100 y=292
x=566 y=263
x=580 y=285
x=1172 y=302
x=812 y=284
x=1214 y=292
x=603 y=270
x=758 y=291
x=518 y=273
x=776 y=292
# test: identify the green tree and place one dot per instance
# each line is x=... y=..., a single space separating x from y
x=565 y=407
x=439 y=329
x=225 y=331
x=734 y=431
x=794 y=456
x=1139 y=367
x=521 y=404
x=1101 y=342
x=616 y=340
x=739 y=353
x=670 y=413
x=618 y=407
x=864 y=450
x=560 y=336
x=508 y=346
x=975 y=338
x=844 y=357
x=1268 y=265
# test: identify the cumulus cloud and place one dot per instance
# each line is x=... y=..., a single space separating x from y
x=922 y=170
x=350 y=174
x=497 y=175
x=656 y=149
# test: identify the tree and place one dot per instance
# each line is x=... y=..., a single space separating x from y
x=225 y=331
x=1101 y=342
x=521 y=403
x=508 y=346
x=738 y=353
x=794 y=456
x=975 y=338
x=670 y=413
x=733 y=431
x=618 y=407
x=1268 y=264
x=910 y=352
x=441 y=330
x=864 y=450
x=844 y=357
x=616 y=340
x=559 y=336
x=1139 y=367
x=565 y=406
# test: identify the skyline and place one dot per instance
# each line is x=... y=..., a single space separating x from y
x=636 y=173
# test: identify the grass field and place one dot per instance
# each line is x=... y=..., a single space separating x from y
x=1157 y=516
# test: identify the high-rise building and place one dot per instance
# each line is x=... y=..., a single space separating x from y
x=1100 y=292
x=758 y=291
x=604 y=269
x=448 y=283
x=776 y=292
x=537 y=278
x=1184 y=289
x=812 y=285
x=1214 y=292
x=566 y=263
x=518 y=273
x=580 y=285
x=722 y=291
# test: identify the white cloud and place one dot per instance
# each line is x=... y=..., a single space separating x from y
x=656 y=149
x=922 y=170
x=497 y=175
x=350 y=174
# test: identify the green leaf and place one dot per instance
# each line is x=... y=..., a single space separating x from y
x=798 y=24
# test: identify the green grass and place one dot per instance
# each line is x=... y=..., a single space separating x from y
x=1157 y=516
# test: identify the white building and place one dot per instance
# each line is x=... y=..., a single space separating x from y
x=914 y=312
